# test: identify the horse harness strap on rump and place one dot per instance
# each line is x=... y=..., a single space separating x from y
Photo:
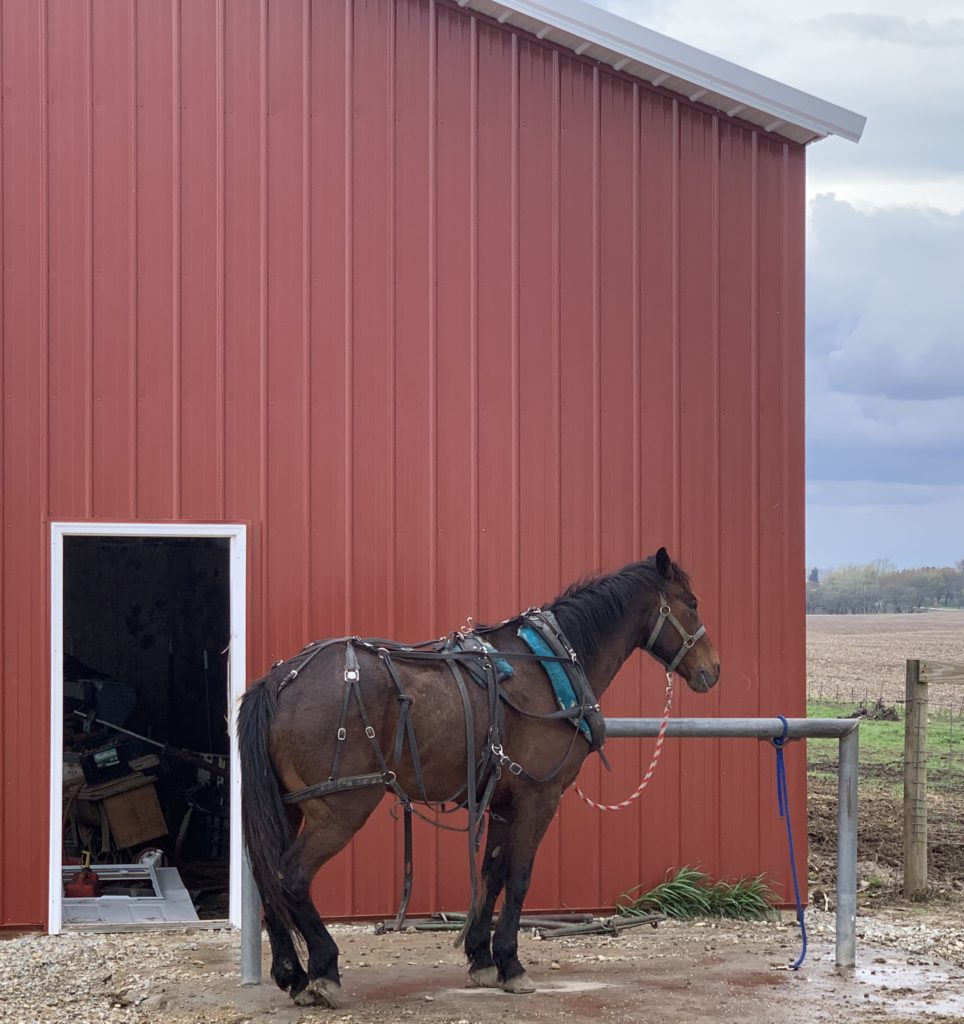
x=453 y=651
x=334 y=784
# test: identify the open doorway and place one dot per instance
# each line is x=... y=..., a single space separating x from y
x=147 y=664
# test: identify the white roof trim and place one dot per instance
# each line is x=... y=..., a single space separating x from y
x=658 y=59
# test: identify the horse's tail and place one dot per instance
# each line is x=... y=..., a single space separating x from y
x=264 y=818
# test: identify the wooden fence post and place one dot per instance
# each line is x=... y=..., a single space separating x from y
x=915 y=783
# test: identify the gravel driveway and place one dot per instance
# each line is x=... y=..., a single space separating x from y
x=910 y=967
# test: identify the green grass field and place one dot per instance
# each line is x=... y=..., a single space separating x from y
x=882 y=747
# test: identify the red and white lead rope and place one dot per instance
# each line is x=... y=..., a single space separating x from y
x=660 y=736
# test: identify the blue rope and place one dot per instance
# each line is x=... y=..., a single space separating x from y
x=783 y=803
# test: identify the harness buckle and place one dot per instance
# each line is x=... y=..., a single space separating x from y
x=504 y=760
x=352 y=675
x=369 y=732
x=342 y=733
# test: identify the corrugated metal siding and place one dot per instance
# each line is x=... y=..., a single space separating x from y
x=450 y=318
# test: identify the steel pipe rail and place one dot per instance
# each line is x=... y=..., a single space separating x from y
x=751 y=728
x=846 y=731
x=843 y=729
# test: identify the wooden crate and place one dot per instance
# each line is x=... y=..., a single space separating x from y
x=135 y=816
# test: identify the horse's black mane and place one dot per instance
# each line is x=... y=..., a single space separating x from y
x=589 y=607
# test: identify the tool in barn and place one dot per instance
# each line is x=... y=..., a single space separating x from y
x=176 y=752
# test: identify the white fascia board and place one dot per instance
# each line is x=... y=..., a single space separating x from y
x=679 y=60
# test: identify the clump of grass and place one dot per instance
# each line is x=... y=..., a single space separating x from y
x=689 y=893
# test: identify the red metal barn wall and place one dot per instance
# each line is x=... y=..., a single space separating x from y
x=449 y=317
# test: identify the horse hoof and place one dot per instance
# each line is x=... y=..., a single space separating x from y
x=321 y=992
x=519 y=985
x=484 y=977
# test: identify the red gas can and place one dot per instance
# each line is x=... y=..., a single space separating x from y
x=83 y=884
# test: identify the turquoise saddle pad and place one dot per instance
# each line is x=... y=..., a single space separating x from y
x=556 y=672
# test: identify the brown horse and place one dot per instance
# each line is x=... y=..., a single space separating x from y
x=325 y=733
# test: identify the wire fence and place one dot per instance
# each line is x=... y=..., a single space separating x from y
x=882 y=752
x=850 y=695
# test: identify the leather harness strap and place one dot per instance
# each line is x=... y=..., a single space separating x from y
x=334 y=786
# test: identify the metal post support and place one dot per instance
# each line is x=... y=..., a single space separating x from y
x=847 y=849
x=845 y=730
x=915 y=784
x=250 y=926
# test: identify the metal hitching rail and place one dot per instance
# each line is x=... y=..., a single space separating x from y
x=845 y=730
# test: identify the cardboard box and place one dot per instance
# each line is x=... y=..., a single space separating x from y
x=135 y=816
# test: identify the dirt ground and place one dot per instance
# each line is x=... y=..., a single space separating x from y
x=680 y=972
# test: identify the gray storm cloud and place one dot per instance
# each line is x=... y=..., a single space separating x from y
x=885 y=345
x=887 y=300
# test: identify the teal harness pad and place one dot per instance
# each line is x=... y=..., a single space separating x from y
x=556 y=671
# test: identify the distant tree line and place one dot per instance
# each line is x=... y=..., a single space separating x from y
x=881 y=587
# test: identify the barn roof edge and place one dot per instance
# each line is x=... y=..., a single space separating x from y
x=663 y=61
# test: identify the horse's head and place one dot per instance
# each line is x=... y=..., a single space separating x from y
x=673 y=633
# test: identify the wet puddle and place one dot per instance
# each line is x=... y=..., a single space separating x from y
x=917 y=988
x=552 y=988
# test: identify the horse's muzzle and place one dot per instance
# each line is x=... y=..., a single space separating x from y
x=705 y=679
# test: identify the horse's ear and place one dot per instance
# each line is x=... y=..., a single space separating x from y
x=664 y=564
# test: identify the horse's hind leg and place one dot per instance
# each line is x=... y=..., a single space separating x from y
x=286 y=969
x=482 y=970
x=324 y=834
x=531 y=813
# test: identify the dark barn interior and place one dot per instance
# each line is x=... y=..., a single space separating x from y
x=146 y=746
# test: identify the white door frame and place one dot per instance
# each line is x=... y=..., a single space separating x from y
x=237 y=561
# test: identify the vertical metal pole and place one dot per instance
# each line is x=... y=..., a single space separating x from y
x=847 y=849
x=250 y=926
x=915 y=784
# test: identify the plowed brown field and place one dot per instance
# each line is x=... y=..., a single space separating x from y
x=862 y=657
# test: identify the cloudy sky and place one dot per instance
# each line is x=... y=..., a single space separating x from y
x=885 y=259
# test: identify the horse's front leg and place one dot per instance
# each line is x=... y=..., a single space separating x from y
x=482 y=969
x=532 y=811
